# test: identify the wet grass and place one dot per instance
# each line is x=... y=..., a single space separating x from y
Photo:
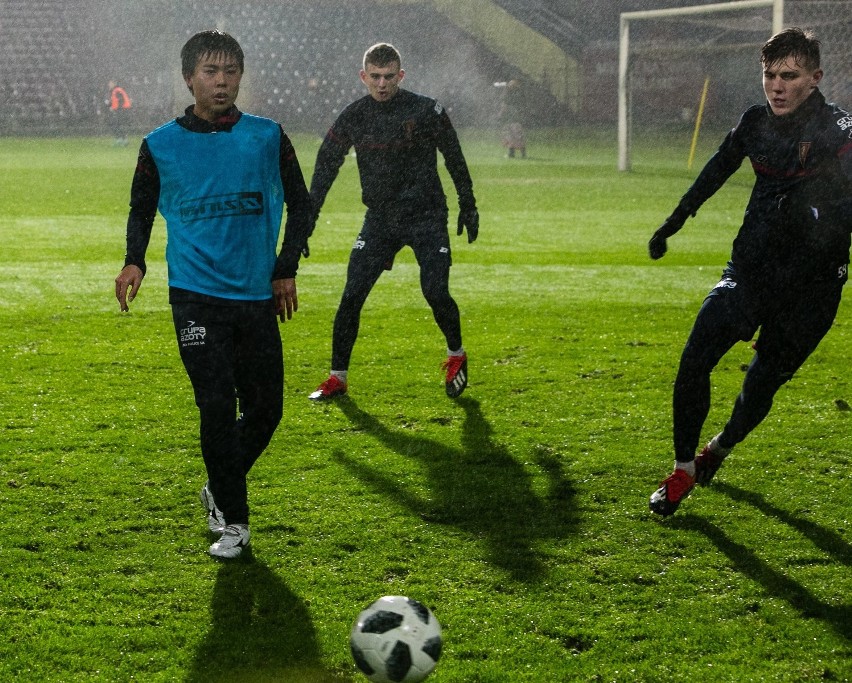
x=518 y=513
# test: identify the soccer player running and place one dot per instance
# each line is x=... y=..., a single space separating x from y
x=396 y=135
x=221 y=178
x=789 y=261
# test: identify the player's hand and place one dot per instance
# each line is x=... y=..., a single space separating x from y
x=469 y=218
x=286 y=301
x=127 y=285
x=306 y=250
x=657 y=246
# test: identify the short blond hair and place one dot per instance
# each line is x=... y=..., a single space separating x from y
x=382 y=54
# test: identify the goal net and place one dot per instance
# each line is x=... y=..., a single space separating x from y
x=831 y=20
x=667 y=56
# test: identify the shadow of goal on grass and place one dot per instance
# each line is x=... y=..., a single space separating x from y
x=479 y=488
x=259 y=631
x=774 y=582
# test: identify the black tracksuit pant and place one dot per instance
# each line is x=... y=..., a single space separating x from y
x=381 y=237
x=792 y=317
x=232 y=354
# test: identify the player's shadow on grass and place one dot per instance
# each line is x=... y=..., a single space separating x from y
x=259 y=631
x=479 y=488
x=830 y=542
x=775 y=582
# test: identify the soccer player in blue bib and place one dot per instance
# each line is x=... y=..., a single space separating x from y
x=396 y=135
x=789 y=261
x=222 y=179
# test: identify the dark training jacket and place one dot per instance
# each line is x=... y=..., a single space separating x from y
x=804 y=157
x=395 y=143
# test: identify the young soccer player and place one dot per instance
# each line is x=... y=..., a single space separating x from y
x=221 y=179
x=396 y=135
x=789 y=260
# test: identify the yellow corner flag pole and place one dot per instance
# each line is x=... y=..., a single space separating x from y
x=698 y=123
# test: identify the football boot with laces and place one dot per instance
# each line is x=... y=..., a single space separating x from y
x=235 y=538
x=456 y=379
x=666 y=499
x=332 y=387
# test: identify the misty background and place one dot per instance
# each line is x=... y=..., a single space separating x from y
x=303 y=57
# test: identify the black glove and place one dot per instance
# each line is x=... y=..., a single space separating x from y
x=306 y=250
x=657 y=244
x=469 y=218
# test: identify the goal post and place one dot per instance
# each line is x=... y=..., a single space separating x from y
x=694 y=12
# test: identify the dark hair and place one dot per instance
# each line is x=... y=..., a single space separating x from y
x=791 y=42
x=382 y=54
x=205 y=43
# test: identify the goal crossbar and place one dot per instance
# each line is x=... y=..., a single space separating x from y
x=624 y=123
x=698 y=9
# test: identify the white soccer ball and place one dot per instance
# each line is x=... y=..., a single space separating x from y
x=396 y=640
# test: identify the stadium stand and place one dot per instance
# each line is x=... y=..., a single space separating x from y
x=42 y=66
x=302 y=60
x=303 y=57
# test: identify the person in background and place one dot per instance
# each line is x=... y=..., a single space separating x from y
x=511 y=115
x=396 y=135
x=119 y=113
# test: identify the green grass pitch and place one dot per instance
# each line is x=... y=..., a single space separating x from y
x=518 y=513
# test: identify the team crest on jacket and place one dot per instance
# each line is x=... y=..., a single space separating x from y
x=804 y=150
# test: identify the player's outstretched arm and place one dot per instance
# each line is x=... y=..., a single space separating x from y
x=716 y=171
x=127 y=285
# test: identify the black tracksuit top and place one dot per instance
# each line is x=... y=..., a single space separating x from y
x=395 y=143
x=806 y=155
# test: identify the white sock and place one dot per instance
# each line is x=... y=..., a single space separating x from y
x=460 y=352
x=716 y=448
x=340 y=374
x=688 y=467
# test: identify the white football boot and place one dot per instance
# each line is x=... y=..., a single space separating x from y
x=215 y=518
x=234 y=538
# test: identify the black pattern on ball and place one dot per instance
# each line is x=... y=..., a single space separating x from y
x=382 y=622
x=398 y=662
x=396 y=640
x=361 y=661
